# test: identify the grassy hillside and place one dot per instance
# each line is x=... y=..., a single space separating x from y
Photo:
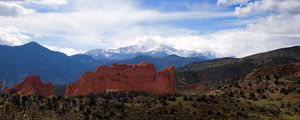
x=225 y=70
x=275 y=88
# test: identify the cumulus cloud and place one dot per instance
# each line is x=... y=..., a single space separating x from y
x=230 y=43
x=275 y=6
x=277 y=24
x=48 y=2
x=90 y=24
x=231 y=2
x=265 y=34
x=10 y=35
x=95 y=23
x=67 y=51
x=13 y=9
x=45 y=5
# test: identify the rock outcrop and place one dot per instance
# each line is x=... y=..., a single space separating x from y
x=124 y=77
x=32 y=85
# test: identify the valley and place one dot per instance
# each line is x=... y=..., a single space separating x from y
x=261 y=86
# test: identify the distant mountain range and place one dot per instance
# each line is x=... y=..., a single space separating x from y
x=149 y=48
x=159 y=54
x=160 y=62
x=19 y=62
x=33 y=59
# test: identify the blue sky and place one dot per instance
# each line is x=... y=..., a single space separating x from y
x=201 y=25
x=226 y=27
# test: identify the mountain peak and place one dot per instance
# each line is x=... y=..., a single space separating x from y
x=32 y=44
x=150 y=44
x=149 y=48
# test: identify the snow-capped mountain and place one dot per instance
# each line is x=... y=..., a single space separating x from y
x=150 y=48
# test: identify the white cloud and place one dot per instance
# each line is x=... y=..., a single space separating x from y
x=90 y=24
x=10 y=35
x=231 y=2
x=276 y=6
x=13 y=9
x=68 y=51
x=277 y=24
x=268 y=33
x=45 y=5
x=48 y=2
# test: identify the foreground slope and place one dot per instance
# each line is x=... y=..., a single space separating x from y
x=274 y=90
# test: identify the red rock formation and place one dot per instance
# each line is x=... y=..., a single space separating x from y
x=32 y=85
x=124 y=77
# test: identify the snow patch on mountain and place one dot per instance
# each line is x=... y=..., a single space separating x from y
x=149 y=47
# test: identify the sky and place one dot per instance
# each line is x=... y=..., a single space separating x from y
x=226 y=27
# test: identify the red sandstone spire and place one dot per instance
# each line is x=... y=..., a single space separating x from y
x=32 y=85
